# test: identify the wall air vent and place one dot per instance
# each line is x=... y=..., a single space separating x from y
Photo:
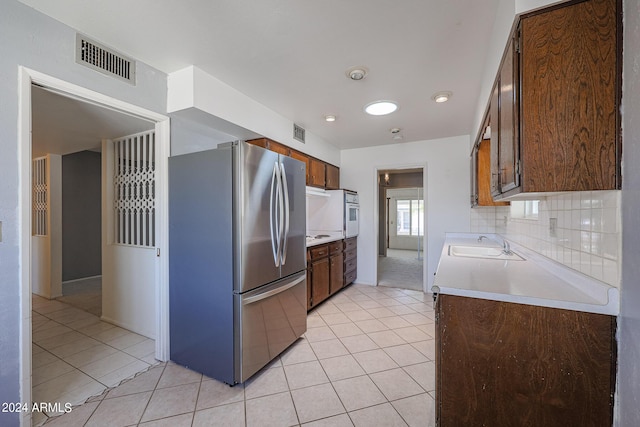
x=298 y=133
x=105 y=60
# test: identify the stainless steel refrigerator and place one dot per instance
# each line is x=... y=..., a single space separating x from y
x=237 y=259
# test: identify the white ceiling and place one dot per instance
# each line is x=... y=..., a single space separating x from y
x=291 y=55
x=62 y=125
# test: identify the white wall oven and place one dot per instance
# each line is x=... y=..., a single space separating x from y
x=351 y=214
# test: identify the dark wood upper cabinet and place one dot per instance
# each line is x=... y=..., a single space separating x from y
x=332 y=174
x=557 y=101
x=317 y=171
x=481 y=170
x=271 y=145
x=508 y=119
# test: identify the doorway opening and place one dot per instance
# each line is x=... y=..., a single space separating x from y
x=84 y=335
x=401 y=228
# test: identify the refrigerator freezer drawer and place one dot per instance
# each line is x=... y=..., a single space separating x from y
x=271 y=319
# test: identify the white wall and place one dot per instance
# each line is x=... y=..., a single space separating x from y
x=193 y=89
x=446 y=184
x=628 y=393
x=36 y=41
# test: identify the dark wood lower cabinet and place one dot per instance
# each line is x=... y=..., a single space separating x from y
x=319 y=280
x=336 y=273
x=330 y=267
x=506 y=364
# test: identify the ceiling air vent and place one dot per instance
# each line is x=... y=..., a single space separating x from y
x=107 y=61
x=298 y=133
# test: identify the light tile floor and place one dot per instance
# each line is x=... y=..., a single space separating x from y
x=367 y=359
x=76 y=356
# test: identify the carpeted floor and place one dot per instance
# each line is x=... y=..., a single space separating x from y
x=401 y=269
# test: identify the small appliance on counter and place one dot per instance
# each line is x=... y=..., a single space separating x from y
x=237 y=259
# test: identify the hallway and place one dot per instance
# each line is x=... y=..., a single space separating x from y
x=401 y=269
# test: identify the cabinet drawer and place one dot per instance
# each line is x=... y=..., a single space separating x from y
x=350 y=243
x=335 y=247
x=350 y=264
x=350 y=277
x=351 y=254
x=319 y=252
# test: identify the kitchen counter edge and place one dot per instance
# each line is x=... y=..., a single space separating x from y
x=581 y=292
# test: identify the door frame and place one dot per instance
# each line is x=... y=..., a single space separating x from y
x=425 y=213
x=162 y=128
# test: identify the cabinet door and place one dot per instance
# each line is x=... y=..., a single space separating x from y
x=483 y=176
x=336 y=270
x=570 y=97
x=309 y=289
x=303 y=158
x=319 y=280
x=333 y=177
x=504 y=364
x=508 y=122
x=474 y=177
x=495 y=139
x=316 y=173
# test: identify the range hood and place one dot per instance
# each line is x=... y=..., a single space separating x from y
x=316 y=192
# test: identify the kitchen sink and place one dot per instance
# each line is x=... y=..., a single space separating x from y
x=487 y=252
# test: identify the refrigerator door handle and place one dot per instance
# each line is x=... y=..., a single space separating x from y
x=283 y=255
x=281 y=213
x=273 y=292
x=274 y=243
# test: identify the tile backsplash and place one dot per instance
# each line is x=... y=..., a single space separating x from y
x=581 y=230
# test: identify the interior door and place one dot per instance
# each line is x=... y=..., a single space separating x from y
x=129 y=232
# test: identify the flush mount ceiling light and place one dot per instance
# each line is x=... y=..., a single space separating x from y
x=330 y=118
x=440 y=97
x=380 y=108
x=357 y=73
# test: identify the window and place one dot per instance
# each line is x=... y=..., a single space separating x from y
x=527 y=209
x=409 y=217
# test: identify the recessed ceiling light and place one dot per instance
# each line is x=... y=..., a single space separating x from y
x=442 y=96
x=330 y=118
x=380 y=108
x=357 y=73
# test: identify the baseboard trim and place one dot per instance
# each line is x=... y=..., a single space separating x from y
x=125 y=326
x=81 y=279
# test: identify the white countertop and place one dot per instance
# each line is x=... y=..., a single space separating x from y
x=536 y=281
x=318 y=237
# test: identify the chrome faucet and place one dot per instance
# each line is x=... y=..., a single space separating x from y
x=482 y=237
x=506 y=248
